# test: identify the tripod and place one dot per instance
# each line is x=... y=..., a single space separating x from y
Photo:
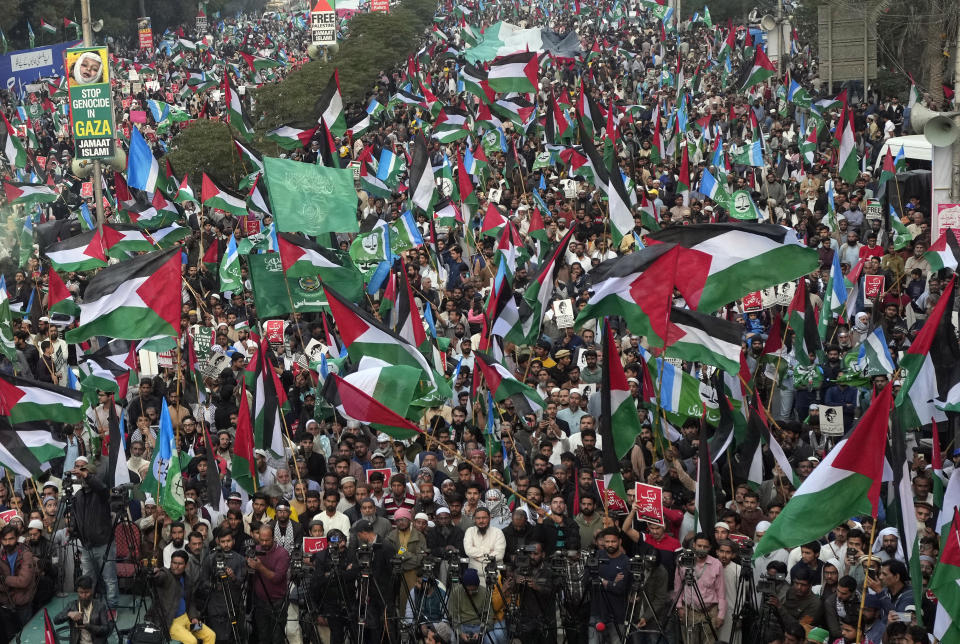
x=340 y=612
x=427 y=583
x=637 y=598
x=365 y=558
x=690 y=582
x=222 y=582
x=745 y=606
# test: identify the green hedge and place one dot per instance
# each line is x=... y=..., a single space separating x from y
x=375 y=42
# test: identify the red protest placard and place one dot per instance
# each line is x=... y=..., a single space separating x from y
x=753 y=301
x=251 y=225
x=273 y=331
x=7 y=515
x=386 y=471
x=380 y=5
x=86 y=189
x=872 y=286
x=649 y=503
x=611 y=501
x=314 y=544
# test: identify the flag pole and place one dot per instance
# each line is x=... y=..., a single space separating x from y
x=863 y=592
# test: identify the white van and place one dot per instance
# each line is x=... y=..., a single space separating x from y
x=915 y=147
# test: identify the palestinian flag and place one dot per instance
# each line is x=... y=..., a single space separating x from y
x=422 y=187
x=26 y=400
x=618 y=207
x=759 y=436
x=46 y=27
x=185 y=192
x=301 y=257
x=291 y=137
x=108 y=368
x=916 y=398
x=269 y=400
x=945 y=252
x=353 y=402
x=252 y=159
x=171 y=235
x=259 y=63
x=696 y=337
x=372 y=184
x=82 y=252
x=29 y=194
x=899 y=234
x=405 y=316
x=214 y=196
x=949 y=400
x=392 y=386
x=888 y=171
x=451 y=125
x=639 y=288
x=362 y=335
x=474 y=81
x=514 y=73
x=330 y=106
x=243 y=468
x=236 y=114
x=539 y=293
x=802 y=319
x=26 y=449
x=126 y=238
x=59 y=299
x=743 y=258
x=945 y=583
x=13 y=149
x=624 y=422
x=845 y=484
x=502 y=385
x=135 y=299
x=762 y=70
x=847 y=163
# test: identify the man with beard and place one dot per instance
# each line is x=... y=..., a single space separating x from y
x=520 y=533
x=561 y=533
x=444 y=537
x=311 y=507
x=589 y=521
x=288 y=534
x=410 y=547
x=91 y=519
x=89 y=619
x=609 y=605
x=333 y=520
x=533 y=584
x=222 y=575
x=18 y=575
x=178 y=535
x=269 y=567
x=42 y=552
x=177 y=609
x=483 y=542
x=726 y=552
x=368 y=513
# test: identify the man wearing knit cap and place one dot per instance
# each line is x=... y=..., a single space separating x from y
x=410 y=546
x=466 y=605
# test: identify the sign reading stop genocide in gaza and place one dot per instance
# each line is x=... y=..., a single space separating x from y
x=91 y=102
x=323 y=23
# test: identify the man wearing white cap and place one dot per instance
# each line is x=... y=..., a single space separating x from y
x=761 y=563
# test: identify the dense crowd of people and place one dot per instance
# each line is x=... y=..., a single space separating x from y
x=492 y=524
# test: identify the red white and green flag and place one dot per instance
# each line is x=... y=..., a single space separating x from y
x=945 y=583
x=353 y=402
x=109 y=367
x=259 y=63
x=25 y=400
x=242 y=466
x=59 y=299
x=136 y=299
x=847 y=164
x=330 y=106
x=945 y=252
x=13 y=149
x=514 y=73
x=46 y=27
x=214 y=196
x=291 y=137
x=845 y=484
x=762 y=69
x=917 y=397
x=82 y=252
x=502 y=385
x=29 y=194
x=624 y=421
x=185 y=192
x=236 y=113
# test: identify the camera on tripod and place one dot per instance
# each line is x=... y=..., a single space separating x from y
x=429 y=567
x=771 y=584
x=522 y=561
x=592 y=564
x=120 y=497
x=687 y=558
x=296 y=562
x=640 y=565
x=365 y=558
x=220 y=563
x=492 y=568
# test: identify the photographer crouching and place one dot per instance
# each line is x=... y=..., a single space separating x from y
x=177 y=607
x=89 y=620
x=223 y=573
x=92 y=523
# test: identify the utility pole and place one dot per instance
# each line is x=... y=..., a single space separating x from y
x=97 y=180
x=779 y=39
x=955 y=174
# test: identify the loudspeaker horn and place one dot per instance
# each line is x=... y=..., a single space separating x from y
x=118 y=161
x=81 y=168
x=937 y=127
x=98 y=25
x=768 y=23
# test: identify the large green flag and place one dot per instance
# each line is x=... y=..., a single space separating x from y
x=7 y=346
x=305 y=294
x=311 y=199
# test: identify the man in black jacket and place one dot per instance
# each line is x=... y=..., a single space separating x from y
x=560 y=531
x=91 y=519
x=222 y=576
x=176 y=609
x=86 y=615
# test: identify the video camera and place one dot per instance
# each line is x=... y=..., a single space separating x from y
x=219 y=563
x=365 y=558
x=522 y=561
x=429 y=567
x=640 y=565
x=687 y=559
x=296 y=562
x=120 y=497
x=771 y=584
x=491 y=569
